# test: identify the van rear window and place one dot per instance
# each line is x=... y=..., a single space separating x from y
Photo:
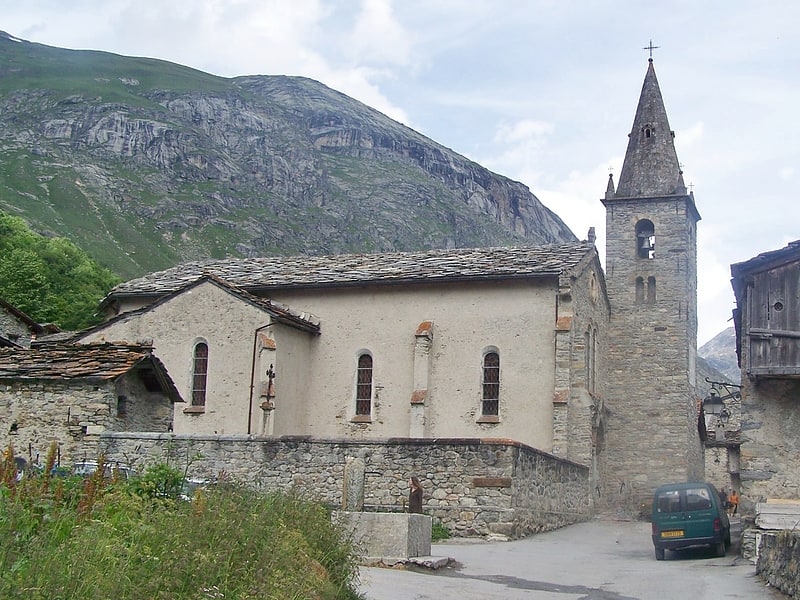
x=698 y=499
x=669 y=502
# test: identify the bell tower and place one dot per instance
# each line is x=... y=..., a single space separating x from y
x=651 y=435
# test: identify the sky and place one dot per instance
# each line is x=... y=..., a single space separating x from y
x=541 y=91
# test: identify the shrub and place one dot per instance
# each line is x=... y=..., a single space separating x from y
x=230 y=542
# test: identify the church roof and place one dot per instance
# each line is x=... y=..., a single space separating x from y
x=278 y=311
x=651 y=167
x=277 y=272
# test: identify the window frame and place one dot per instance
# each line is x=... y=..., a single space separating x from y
x=199 y=391
x=364 y=392
x=490 y=386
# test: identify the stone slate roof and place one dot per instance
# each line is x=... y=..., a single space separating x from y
x=5 y=342
x=262 y=274
x=278 y=311
x=767 y=260
x=651 y=166
x=64 y=362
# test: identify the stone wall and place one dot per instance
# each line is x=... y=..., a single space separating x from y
x=770 y=445
x=779 y=561
x=474 y=487
x=13 y=329
x=73 y=413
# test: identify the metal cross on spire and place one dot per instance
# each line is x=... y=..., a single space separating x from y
x=651 y=48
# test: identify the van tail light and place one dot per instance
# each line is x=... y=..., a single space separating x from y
x=654 y=528
x=717 y=525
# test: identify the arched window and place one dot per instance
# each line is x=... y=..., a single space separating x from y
x=639 y=290
x=651 y=290
x=364 y=386
x=200 y=374
x=645 y=239
x=490 y=405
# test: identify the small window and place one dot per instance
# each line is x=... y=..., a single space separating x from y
x=200 y=374
x=651 y=290
x=122 y=407
x=364 y=386
x=491 y=385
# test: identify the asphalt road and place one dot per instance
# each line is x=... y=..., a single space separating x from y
x=598 y=560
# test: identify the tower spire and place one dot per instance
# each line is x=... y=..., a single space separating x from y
x=651 y=167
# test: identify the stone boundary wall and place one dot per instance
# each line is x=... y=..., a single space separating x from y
x=474 y=487
x=779 y=561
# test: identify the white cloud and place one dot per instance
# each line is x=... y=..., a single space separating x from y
x=378 y=38
x=561 y=80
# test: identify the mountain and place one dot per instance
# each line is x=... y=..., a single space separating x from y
x=145 y=163
x=720 y=353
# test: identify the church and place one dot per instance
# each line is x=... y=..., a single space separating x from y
x=589 y=369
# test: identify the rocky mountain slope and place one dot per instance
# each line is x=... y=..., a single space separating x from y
x=720 y=353
x=145 y=164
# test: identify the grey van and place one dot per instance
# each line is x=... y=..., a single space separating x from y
x=689 y=514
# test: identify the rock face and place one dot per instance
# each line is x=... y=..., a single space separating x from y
x=145 y=164
x=720 y=353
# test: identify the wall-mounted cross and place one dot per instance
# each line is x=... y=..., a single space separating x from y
x=651 y=48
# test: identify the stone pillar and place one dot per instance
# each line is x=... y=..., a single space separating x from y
x=267 y=351
x=353 y=488
x=422 y=368
x=561 y=394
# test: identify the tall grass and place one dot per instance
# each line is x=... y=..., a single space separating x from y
x=95 y=539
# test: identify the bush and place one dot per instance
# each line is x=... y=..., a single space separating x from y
x=101 y=540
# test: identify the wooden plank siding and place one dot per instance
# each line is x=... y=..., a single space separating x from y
x=773 y=322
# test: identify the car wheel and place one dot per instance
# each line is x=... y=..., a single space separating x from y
x=720 y=548
x=659 y=553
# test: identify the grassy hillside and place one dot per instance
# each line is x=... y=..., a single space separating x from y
x=145 y=164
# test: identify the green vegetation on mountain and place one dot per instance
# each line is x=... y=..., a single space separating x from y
x=145 y=164
x=49 y=279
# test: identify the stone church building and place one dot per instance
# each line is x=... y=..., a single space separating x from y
x=530 y=361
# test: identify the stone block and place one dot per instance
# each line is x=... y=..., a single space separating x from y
x=393 y=535
x=778 y=514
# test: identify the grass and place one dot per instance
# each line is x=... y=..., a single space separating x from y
x=438 y=531
x=96 y=538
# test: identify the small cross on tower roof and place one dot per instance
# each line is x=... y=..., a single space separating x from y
x=650 y=47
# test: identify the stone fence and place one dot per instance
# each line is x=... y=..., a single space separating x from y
x=779 y=561
x=474 y=487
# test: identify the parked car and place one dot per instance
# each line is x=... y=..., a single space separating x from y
x=86 y=468
x=687 y=515
x=191 y=485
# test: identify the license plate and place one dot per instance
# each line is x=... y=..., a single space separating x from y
x=672 y=534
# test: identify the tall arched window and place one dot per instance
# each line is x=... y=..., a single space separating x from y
x=200 y=374
x=490 y=405
x=639 y=290
x=364 y=386
x=651 y=290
